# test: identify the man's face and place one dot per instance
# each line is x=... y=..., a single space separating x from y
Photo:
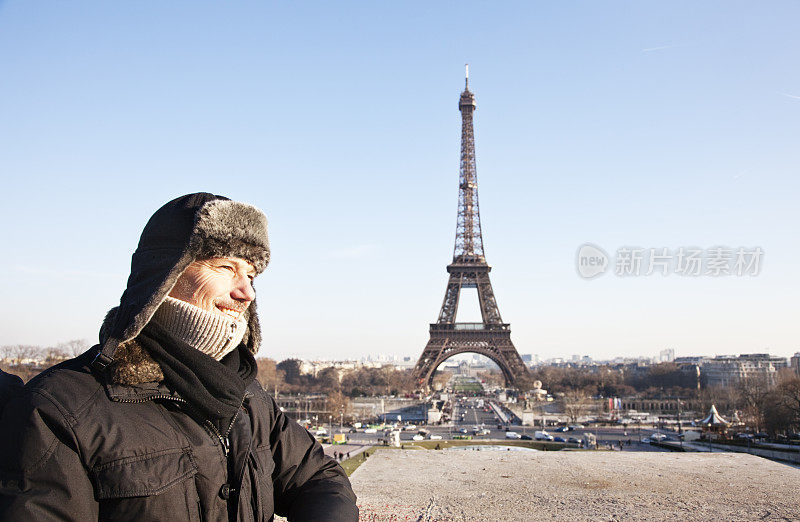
x=219 y=284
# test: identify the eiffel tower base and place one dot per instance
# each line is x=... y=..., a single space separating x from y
x=492 y=341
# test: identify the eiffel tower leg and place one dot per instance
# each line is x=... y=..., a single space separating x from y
x=489 y=310
x=514 y=369
x=450 y=303
x=428 y=362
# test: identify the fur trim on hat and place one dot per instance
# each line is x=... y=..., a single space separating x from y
x=226 y=228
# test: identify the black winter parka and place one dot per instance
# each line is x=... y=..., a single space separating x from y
x=77 y=448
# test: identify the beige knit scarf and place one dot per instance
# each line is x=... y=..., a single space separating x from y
x=212 y=333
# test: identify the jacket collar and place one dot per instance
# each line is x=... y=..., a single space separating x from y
x=136 y=377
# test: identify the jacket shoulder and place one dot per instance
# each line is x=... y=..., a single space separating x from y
x=69 y=386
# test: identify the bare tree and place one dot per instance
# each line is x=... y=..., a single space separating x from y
x=73 y=347
x=574 y=403
x=270 y=377
x=788 y=392
x=338 y=404
x=753 y=390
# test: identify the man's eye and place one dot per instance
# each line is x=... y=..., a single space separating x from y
x=228 y=267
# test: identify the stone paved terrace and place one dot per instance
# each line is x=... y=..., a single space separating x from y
x=572 y=485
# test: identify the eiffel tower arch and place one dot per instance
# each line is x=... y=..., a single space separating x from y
x=469 y=269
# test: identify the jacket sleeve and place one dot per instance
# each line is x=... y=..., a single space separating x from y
x=308 y=485
x=42 y=477
x=10 y=385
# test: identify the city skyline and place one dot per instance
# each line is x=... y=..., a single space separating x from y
x=621 y=126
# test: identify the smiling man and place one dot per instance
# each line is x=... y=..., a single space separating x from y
x=164 y=420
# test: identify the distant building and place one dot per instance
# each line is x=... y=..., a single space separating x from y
x=667 y=355
x=795 y=363
x=728 y=370
x=692 y=359
x=527 y=358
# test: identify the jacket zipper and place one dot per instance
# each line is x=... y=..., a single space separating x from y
x=224 y=441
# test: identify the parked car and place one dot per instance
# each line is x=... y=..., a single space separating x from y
x=543 y=435
x=525 y=437
x=371 y=430
x=418 y=437
x=562 y=429
x=436 y=437
x=559 y=439
x=513 y=435
x=573 y=440
x=658 y=437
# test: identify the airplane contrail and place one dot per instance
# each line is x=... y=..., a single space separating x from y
x=791 y=96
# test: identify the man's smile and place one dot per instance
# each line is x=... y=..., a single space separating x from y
x=230 y=312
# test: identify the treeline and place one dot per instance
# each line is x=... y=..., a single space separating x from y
x=286 y=377
x=651 y=382
x=762 y=407
x=27 y=361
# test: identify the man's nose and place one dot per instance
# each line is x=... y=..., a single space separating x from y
x=244 y=290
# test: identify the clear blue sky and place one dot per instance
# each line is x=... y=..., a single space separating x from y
x=656 y=124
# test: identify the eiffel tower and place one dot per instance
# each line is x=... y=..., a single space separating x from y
x=491 y=337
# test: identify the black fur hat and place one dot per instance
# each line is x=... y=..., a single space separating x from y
x=191 y=227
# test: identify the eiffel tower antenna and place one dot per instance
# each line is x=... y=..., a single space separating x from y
x=466 y=76
x=491 y=337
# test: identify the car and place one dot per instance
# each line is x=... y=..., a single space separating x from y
x=543 y=435
x=525 y=437
x=744 y=436
x=573 y=440
x=646 y=440
x=371 y=430
x=435 y=437
x=418 y=437
x=658 y=437
x=576 y=427
x=562 y=429
x=463 y=430
x=559 y=439
x=513 y=435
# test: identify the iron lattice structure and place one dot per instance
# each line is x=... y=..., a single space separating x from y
x=491 y=337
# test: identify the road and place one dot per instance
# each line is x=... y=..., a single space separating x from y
x=467 y=414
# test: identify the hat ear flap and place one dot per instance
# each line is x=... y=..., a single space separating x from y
x=252 y=337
